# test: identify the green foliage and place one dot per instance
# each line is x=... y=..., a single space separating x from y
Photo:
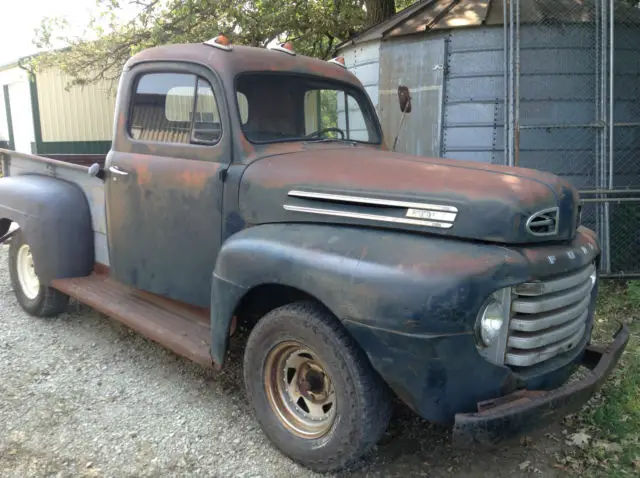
x=612 y=419
x=329 y=109
x=315 y=27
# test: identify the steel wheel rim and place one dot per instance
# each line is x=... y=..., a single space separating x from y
x=299 y=390
x=27 y=277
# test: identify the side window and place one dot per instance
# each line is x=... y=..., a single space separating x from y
x=174 y=108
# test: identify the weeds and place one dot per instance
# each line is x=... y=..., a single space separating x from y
x=612 y=419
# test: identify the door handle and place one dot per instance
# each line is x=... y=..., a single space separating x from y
x=117 y=170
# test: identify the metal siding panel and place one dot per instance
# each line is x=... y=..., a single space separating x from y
x=79 y=114
x=557 y=87
x=476 y=39
x=417 y=64
x=472 y=138
x=476 y=113
x=556 y=112
x=476 y=63
x=364 y=62
x=475 y=89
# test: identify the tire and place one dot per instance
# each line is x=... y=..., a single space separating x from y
x=352 y=408
x=35 y=299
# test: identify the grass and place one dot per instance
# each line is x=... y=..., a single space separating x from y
x=611 y=420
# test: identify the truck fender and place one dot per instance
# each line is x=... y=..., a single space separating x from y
x=55 y=218
x=385 y=280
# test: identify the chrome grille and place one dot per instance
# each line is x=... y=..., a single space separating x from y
x=549 y=317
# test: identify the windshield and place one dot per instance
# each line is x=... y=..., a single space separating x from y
x=277 y=108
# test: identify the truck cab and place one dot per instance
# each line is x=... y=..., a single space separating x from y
x=253 y=187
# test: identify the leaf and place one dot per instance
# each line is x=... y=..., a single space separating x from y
x=579 y=439
x=524 y=465
x=608 y=446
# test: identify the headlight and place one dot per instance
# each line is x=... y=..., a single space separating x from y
x=491 y=322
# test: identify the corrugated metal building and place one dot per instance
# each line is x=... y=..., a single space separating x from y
x=38 y=114
x=451 y=55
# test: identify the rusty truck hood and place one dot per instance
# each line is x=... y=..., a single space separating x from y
x=363 y=186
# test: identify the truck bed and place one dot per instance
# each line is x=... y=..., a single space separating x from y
x=71 y=168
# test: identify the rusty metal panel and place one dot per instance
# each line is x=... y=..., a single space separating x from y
x=417 y=64
x=92 y=187
x=179 y=327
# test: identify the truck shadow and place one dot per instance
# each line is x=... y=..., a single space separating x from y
x=410 y=447
x=413 y=446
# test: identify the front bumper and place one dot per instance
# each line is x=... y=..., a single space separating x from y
x=525 y=410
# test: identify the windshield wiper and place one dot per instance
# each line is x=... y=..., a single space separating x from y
x=331 y=140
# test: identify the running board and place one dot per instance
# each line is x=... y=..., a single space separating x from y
x=181 y=328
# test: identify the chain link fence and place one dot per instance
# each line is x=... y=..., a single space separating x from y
x=573 y=109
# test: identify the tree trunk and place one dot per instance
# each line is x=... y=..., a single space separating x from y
x=379 y=10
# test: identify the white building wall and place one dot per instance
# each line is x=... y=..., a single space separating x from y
x=4 y=127
x=21 y=112
x=364 y=62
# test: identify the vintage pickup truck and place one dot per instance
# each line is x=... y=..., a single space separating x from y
x=252 y=187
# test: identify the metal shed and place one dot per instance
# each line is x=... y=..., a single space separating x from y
x=547 y=84
x=40 y=114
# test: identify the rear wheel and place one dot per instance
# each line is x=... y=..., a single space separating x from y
x=312 y=388
x=35 y=298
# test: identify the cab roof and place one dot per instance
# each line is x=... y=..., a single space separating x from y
x=243 y=59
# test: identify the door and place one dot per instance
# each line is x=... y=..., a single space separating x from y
x=21 y=116
x=163 y=181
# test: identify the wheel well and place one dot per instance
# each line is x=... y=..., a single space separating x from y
x=263 y=299
x=5 y=224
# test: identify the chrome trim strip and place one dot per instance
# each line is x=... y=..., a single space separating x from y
x=555 y=301
x=548 y=287
x=525 y=359
x=374 y=201
x=370 y=217
x=525 y=341
x=538 y=323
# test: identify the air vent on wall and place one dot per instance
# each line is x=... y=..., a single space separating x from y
x=543 y=223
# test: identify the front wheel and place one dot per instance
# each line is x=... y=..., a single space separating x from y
x=313 y=390
x=34 y=297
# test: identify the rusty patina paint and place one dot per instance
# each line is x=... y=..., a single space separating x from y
x=526 y=410
x=243 y=59
x=494 y=203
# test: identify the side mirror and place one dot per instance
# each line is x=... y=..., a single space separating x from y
x=95 y=171
x=404 y=99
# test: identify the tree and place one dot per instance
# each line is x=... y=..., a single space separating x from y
x=315 y=27
x=379 y=10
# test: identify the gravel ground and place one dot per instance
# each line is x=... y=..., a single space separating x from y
x=81 y=395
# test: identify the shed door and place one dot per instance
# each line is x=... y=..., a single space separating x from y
x=419 y=65
x=22 y=116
